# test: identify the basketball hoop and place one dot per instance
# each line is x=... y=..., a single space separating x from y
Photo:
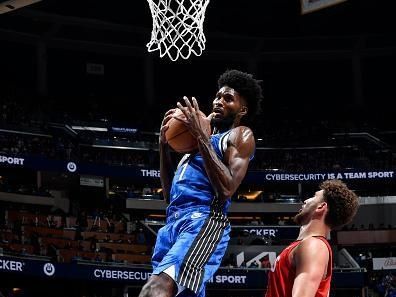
x=177 y=27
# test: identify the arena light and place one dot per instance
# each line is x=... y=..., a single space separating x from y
x=87 y=128
x=12 y=5
x=251 y=195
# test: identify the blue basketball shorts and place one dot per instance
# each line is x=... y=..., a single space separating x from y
x=191 y=245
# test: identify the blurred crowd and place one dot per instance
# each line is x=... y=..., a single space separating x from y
x=288 y=159
x=100 y=235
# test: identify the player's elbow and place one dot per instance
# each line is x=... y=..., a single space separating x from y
x=225 y=188
x=225 y=193
x=223 y=196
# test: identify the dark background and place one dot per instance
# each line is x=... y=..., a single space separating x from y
x=337 y=62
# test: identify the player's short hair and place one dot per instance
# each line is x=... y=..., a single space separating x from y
x=248 y=87
x=342 y=203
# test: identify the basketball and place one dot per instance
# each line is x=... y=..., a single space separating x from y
x=178 y=136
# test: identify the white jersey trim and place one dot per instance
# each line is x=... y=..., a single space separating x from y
x=223 y=143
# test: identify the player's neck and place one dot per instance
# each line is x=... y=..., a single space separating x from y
x=222 y=128
x=225 y=125
x=314 y=228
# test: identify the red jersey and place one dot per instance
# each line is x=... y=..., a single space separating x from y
x=282 y=275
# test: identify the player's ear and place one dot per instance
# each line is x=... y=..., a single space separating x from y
x=322 y=206
x=244 y=110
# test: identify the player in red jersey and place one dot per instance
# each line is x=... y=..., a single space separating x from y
x=304 y=268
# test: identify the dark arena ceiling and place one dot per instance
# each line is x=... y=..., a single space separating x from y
x=342 y=53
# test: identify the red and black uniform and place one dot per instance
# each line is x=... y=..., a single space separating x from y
x=282 y=275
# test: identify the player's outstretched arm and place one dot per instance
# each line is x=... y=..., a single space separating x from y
x=310 y=258
x=166 y=166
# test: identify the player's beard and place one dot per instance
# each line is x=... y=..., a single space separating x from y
x=306 y=213
x=304 y=216
x=224 y=123
x=301 y=218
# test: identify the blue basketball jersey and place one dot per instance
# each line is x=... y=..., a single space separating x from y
x=190 y=247
x=191 y=186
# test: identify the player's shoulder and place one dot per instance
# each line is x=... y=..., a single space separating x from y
x=242 y=132
x=242 y=138
x=310 y=250
x=312 y=243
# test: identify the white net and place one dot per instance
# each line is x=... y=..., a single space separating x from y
x=177 y=27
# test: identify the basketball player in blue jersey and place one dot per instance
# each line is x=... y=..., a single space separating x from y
x=191 y=245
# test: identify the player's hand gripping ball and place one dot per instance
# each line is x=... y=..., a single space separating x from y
x=179 y=137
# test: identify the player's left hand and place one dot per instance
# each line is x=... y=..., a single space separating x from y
x=192 y=117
